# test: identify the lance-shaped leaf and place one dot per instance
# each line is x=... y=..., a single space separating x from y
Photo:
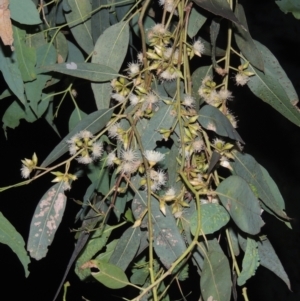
x=100 y=19
x=89 y=71
x=214 y=32
x=76 y=116
x=94 y=122
x=196 y=21
x=96 y=243
x=126 y=248
x=162 y=119
x=110 y=247
x=212 y=119
x=61 y=46
x=268 y=258
x=108 y=274
x=26 y=55
x=110 y=50
x=11 y=73
x=24 y=12
x=274 y=87
x=11 y=237
x=290 y=6
x=168 y=243
x=46 y=54
x=213 y=218
x=250 y=262
x=245 y=42
x=215 y=281
x=79 y=20
x=46 y=219
x=239 y=200
x=254 y=174
x=219 y=8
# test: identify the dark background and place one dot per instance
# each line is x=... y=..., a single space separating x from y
x=270 y=138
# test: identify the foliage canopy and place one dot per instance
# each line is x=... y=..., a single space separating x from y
x=162 y=153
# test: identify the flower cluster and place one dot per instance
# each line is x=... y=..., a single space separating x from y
x=28 y=166
x=211 y=95
x=83 y=144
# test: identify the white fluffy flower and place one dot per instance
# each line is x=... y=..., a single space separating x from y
x=87 y=159
x=198 y=47
x=114 y=131
x=188 y=101
x=133 y=69
x=111 y=158
x=118 y=97
x=241 y=79
x=25 y=172
x=129 y=155
x=97 y=150
x=134 y=99
x=153 y=157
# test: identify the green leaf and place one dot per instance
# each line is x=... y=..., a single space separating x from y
x=219 y=8
x=239 y=200
x=250 y=262
x=234 y=241
x=268 y=258
x=49 y=118
x=162 y=119
x=245 y=42
x=80 y=23
x=290 y=6
x=100 y=20
x=99 y=176
x=123 y=8
x=11 y=237
x=89 y=71
x=6 y=93
x=108 y=251
x=26 y=55
x=196 y=21
x=75 y=54
x=76 y=116
x=12 y=116
x=213 y=218
x=126 y=248
x=14 y=113
x=95 y=244
x=120 y=204
x=274 y=87
x=214 y=30
x=61 y=46
x=168 y=243
x=139 y=276
x=11 y=73
x=215 y=281
x=212 y=119
x=109 y=275
x=197 y=77
x=46 y=54
x=94 y=122
x=254 y=174
x=45 y=221
x=24 y=12
x=110 y=50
